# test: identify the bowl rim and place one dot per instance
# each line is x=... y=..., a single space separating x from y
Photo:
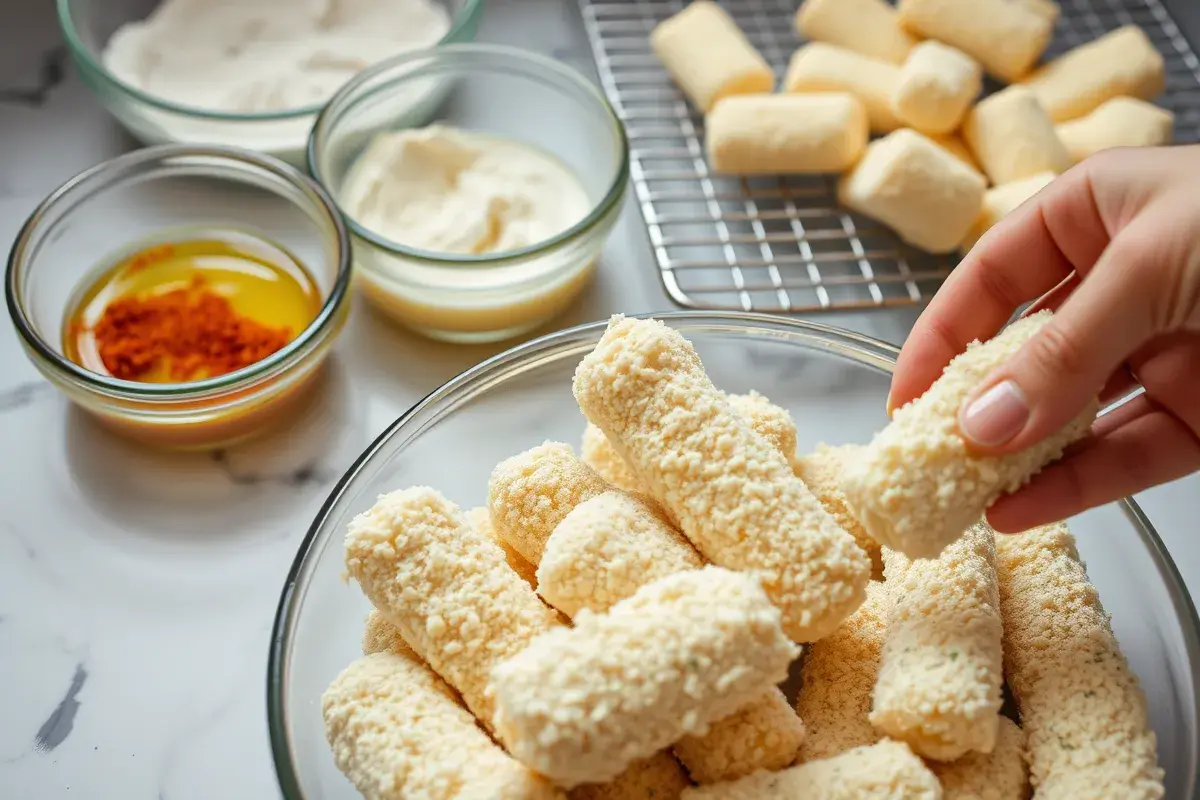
x=613 y=195
x=882 y=353
x=460 y=20
x=50 y=357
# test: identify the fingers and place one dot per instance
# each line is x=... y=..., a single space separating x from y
x=1150 y=448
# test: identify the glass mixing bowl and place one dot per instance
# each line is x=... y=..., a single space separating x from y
x=833 y=382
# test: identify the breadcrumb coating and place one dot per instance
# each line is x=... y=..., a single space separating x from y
x=597 y=452
x=941 y=672
x=768 y=420
x=918 y=486
x=381 y=636
x=580 y=704
x=606 y=549
x=445 y=587
x=821 y=471
x=659 y=777
x=763 y=735
x=838 y=678
x=733 y=494
x=398 y=733
x=530 y=493
x=481 y=520
x=1082 y=710
x=884 y=771
x=998 y=775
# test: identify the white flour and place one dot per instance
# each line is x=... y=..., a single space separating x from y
x=265 y=55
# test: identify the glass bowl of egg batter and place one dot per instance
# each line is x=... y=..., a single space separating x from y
x=479 y=183
x=247 y=73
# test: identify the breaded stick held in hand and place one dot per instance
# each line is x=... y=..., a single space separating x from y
x=884 y=771
x=838 y=679
x=398 y=732
x=1081 y=707
x=941 y=670
x=734 y=495
x=917 y=486
x=445 y=587
x=998 y=775
x=581 y=704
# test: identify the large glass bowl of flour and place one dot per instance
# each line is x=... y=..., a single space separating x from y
x=249 y=73
x=835 y=385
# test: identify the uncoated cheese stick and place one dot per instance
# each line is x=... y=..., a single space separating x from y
x=1005 y=37
x=940 y=673
x=580 y=704
x=884 y=771
x=1012 y=137
x=917 y=486
x=771 y=134
x=734 y=495
x=1000 y=201
x=1082 y=711
x=1119 y=122
x=998 y=775
x=819 y=67
x=708 y=55
x=445 y=587
x=870 y=27
x=937 y=85
x=1123 y=62
x=398 y=732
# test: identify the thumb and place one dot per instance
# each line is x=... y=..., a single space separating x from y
x=1062 y=369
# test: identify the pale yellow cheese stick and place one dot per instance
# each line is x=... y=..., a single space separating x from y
x=821 y=471
x=1005 y=37
x=581 y=704
x=1123 y=62
x=1012 y=138
x=927 y=196
x=397 y=732
x=819 y=67
x=955 y=146
x=870 y=27
x=937 y=86
x=1119 y=122
x=940 y=674
x=884 y=771
x=1082 y=710
x=998 y=775
x=917 y=486
x=734 y=495
x=445 y=587
x=838 y=679
x=1000 y=201
x=1047 y=8
x=781 y=134
x=708 y=55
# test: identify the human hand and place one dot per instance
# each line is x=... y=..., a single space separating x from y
x=1114 y=246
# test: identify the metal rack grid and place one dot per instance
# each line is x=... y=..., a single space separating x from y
x=781 y=244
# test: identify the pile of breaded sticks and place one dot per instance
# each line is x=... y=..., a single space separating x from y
x=912 y=74
x=616 y=625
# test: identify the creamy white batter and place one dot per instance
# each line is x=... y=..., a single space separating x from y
x=453 y=191
x=249 y=56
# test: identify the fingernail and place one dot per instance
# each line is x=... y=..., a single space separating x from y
x=996 y=416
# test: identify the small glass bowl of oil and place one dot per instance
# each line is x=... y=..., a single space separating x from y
x=184 y=295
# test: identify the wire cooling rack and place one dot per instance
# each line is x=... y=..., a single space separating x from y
x=782 y=244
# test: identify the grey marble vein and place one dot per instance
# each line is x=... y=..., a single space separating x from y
x=51 y=73
x=21 y=395
x=61 y=722
x=305 y=475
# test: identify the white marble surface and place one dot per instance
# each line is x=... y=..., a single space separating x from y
x=137 y=589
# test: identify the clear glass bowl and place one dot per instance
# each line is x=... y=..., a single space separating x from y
x=834 y=383
x=87 y=26
x=145 y=195
x=494 y=90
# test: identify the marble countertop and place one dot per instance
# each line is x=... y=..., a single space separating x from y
x=137 y=589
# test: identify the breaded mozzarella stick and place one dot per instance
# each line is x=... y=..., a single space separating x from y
x=445 y=587
x=597 y=452
x=381 y=636
x=821 y=471
x=581 y=704
x=658 y=777
x=766 y=734
x=838 y=678
x=884 y=771
x=734 y=495
x=998 y=775
x=1082 y=710
x=531 y=492
x=397 y=732
x=917 y=486
x=941 y=670
x=481 y=520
